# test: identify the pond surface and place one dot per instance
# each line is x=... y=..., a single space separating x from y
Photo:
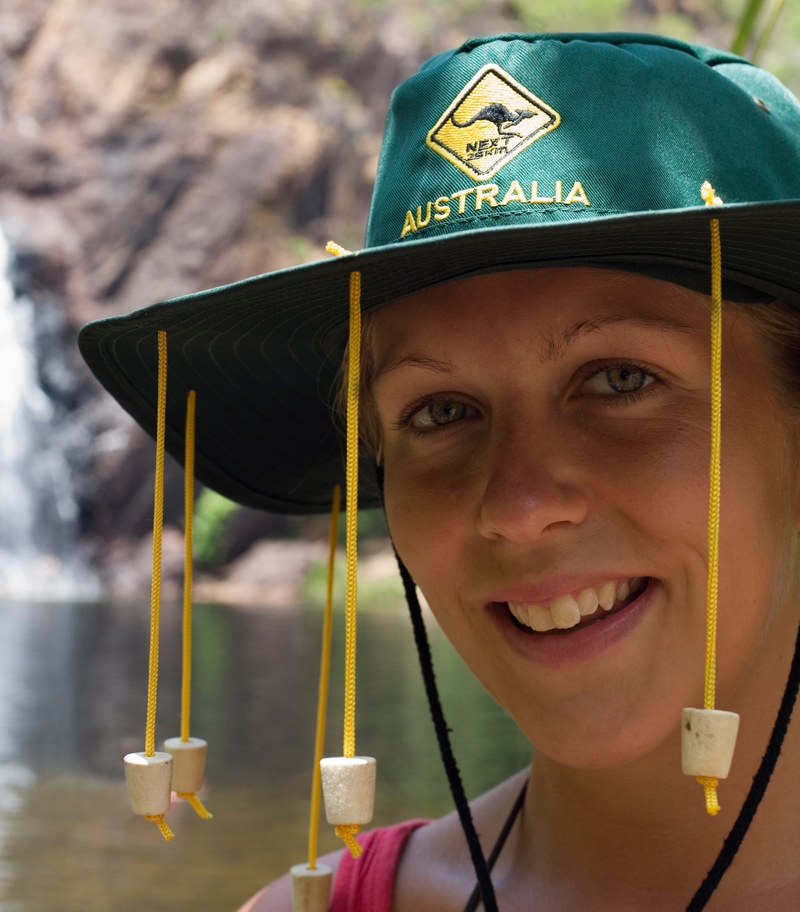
x=72 y=703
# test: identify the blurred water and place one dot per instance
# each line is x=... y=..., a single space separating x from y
x=38 y=512
x=72 y=702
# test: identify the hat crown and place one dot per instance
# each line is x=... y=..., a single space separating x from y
x=528 y=129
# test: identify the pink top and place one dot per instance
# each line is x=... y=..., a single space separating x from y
x=365 y=884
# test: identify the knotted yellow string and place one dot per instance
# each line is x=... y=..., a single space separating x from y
x=711 y=199
x=347 y=832
x=188 y=530
x=710 y=784
x=196 y=803
x=351 y=516
x=188 y=565
x=155 y=590
x=158 y=521
x=158 y=819
x=324 y=677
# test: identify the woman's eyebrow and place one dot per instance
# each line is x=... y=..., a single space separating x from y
x=556 y=343
x=413 y=359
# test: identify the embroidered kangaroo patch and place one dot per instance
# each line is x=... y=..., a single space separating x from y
x=492 y=120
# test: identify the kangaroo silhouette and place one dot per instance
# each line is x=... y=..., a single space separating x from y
x=498 y=114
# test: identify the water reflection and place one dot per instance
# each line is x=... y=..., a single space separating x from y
x=72 y=702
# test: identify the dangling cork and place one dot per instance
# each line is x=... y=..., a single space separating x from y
x=148 y=773
x=188 y=770
x=708 y=735
x=148 y=779
x=311 y=887
x=311 y=882
x=708 y=742
x=189 y=754
x=348 y=782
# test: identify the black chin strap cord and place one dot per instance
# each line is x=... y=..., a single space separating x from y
x=475 y=898
x=443 y=737
x=761 y=780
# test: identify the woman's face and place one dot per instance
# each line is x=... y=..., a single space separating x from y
x=546 y=447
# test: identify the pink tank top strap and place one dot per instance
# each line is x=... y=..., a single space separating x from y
x=365 y=884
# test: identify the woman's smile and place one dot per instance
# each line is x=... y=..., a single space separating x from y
x=575 y=626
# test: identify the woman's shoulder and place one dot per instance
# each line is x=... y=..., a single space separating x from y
x=414 y=865
x=435 y=870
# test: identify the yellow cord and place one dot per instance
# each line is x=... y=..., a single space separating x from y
x=710 y=784
x=347 y=832
x=707 y=192
x=196 y=803
x=158 y=519
x=324 y=677
x=158 y=819
x=188 y=529
x=351 y=516
x=188 y=525
x=336 y=249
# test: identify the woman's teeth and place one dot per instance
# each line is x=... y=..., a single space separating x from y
x=566 y=611
x=607 y=595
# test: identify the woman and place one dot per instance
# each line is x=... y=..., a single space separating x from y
x=537 y=397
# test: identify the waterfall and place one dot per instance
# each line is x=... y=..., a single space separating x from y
x=38 y=510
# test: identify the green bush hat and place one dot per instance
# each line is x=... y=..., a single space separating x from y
x=513 y=151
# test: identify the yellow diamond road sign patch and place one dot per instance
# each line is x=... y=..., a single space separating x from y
x=493 y=119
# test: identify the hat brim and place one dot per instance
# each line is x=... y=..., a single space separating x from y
x=264 y=354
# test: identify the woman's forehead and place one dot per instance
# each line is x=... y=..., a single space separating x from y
x=555 y=306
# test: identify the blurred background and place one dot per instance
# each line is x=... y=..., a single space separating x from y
x=151 y=148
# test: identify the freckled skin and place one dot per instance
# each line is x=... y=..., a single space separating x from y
x=542 y=475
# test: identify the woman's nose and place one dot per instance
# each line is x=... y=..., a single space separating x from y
x=531 y=489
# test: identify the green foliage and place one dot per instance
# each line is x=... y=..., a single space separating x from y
x=300 y=248
x=576 y=15
x=212 y=516
x=380 y=594
x=675 y=25
x=371 y=524
x=756 y=25
x=769 y=27
x=747 y=26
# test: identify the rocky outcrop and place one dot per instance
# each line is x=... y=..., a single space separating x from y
x=154 y=148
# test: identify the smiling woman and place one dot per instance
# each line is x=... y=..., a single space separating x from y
x=537 y=473
x=590 y=466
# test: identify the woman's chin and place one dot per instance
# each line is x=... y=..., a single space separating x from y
x=601 y=741
x=599 y=756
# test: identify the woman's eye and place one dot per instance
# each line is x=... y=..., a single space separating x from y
x=627 y=378
x=437 y=414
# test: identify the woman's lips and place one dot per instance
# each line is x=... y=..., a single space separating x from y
x=591 y=635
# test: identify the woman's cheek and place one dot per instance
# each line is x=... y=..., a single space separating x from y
x=429 y=508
